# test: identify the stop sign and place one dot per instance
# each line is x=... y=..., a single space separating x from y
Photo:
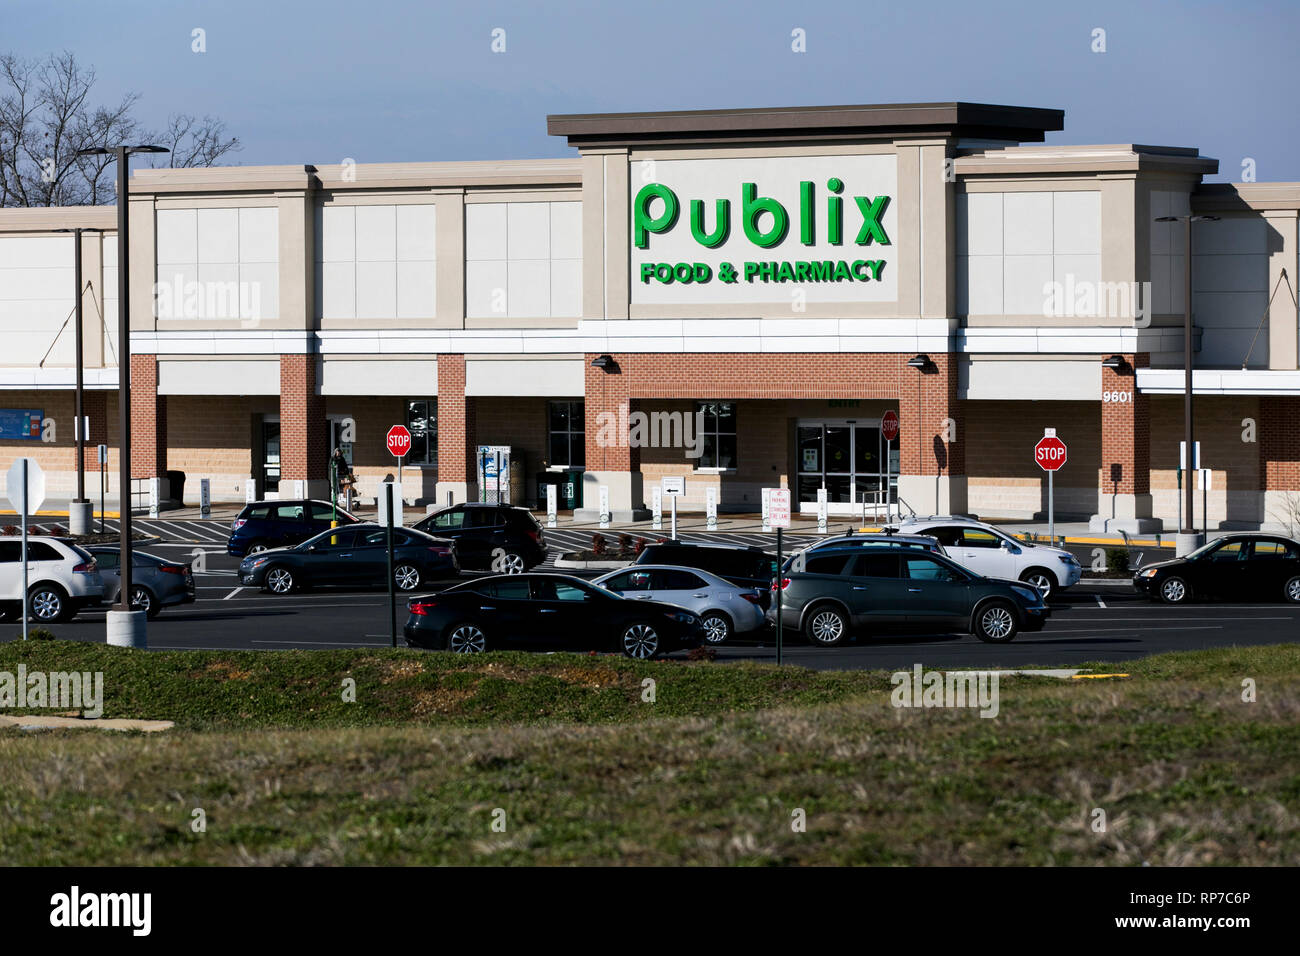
x=399 y=440
x=889 y=425
x=1049 y=453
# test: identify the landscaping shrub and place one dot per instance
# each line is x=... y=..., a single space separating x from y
x=1117 y=560
x=598 y=544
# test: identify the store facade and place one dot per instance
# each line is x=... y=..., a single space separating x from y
x=736 y=297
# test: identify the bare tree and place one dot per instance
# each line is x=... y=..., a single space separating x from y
x=46 y=117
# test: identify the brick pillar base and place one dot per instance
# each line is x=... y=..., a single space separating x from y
x=457 y=438
x=304 y=456
x=148 y=424
x=932 y=457
x=1124 y=479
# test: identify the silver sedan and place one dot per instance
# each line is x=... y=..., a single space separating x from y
x=725 y=608
x=155 y=582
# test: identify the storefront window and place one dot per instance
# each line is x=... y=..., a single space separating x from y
x=719 y=434
x=422 y=423
x=568 y=434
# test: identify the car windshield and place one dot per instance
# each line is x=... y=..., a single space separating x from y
x=1205 y=549
x=317 y=539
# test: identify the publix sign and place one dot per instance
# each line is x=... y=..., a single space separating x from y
x=764 y=230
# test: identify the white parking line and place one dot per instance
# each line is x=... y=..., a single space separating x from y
x=232 y=594
x=1100 y=602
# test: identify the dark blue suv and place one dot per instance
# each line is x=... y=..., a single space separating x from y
x=278 y=524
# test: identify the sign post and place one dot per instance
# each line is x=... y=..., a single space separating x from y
x=392 y=592
x=1187 y=467
x=604 y=506
x=205 y=498
x=656 y=508
x=26 y=484
x=1205 y=501
x=821 y=511
x=399 y=445
x=103 y=465
x=767 y=510
x=674 y=488
x=1050 y=454
x=551 y=506
x=779 y=516
x=710 y=509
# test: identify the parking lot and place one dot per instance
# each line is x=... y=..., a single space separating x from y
x=1096 y=620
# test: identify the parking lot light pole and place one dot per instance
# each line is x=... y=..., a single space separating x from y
x=79 y=516
x=1188 y=529
x=125 y=626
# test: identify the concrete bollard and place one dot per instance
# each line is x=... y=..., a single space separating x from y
x=127 y=629
x=80 y=517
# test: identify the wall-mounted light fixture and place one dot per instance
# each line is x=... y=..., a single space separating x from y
x=919 y=361
x=604 y=362
x=1115 y=363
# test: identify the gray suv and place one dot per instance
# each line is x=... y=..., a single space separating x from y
x=890 y=589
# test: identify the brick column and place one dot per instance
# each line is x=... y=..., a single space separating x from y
x=95 y=406
x=1279 y=462
x=457 y=438
x=1124 y=479
x=932 y=456
x=148 y=420
x=611 y=461
x=303 y=452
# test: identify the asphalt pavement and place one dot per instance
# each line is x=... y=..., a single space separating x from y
x=1096 y=620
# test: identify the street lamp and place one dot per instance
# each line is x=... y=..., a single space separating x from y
x=1189 y=543
x=125 y=626
x=79 y=513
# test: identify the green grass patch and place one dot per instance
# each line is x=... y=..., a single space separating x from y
x=715 y=771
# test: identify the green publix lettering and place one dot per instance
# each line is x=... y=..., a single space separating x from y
x=872 y=209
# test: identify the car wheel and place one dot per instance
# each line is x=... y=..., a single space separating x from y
x=1174 y=590
x=406 y=577
x=1291 y=590
x=467 y=638
x=640 y=641
x=995 y=622
x=48 y=603
x=279 y=580
x=826 y=626
x=142 y=598
x=510 y=563
x=717 y=627
x=1041 y=579
x=257 y=547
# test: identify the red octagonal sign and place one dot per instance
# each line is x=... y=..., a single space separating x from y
x=1049 y=453
x=889 y=425
x=399 y=441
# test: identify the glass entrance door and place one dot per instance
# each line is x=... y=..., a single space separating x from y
x=271 y=456
x=852 y=461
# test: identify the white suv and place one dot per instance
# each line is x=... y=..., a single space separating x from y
x=995 y=554
x=61 y=579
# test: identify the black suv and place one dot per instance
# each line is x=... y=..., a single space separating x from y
x=746 y=567
x=490 y=537
x=890 y=589
x=278 y=524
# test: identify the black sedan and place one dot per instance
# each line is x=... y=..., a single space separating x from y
x=353 y=556
x=547 y=612
x=1258 y=567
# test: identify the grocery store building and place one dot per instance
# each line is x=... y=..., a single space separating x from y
x=732 y=296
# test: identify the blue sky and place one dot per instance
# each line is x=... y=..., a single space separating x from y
x=400 y=81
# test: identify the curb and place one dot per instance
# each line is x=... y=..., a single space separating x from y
x=576 y=564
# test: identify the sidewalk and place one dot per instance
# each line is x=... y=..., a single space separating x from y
x=1067 y=532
